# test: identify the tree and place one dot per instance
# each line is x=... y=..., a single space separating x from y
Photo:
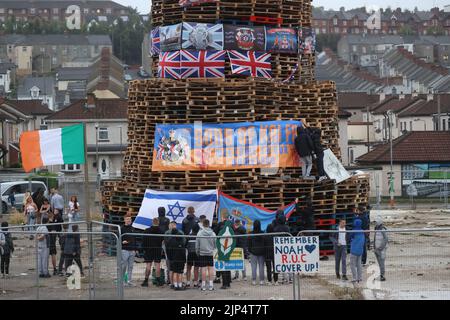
x=407 y=30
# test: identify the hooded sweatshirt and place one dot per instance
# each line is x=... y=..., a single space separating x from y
x=303 y=143
x=357 y=239
x=150 y=242
x=256 y=245
x=188 y=223
x=380 y=238
x=281 y=225
x=163 y=222
x=205 y=246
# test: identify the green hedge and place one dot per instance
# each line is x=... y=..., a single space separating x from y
x=50 y=179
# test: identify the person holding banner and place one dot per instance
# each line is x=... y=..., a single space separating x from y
x=304 y=147
x=204 y=248
x=257 y=252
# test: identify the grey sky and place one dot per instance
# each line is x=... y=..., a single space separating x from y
x=144 y=5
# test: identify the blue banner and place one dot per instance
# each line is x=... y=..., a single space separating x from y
x=248 y=212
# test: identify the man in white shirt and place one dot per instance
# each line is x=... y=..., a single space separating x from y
x=339 y=240
x=43 y=249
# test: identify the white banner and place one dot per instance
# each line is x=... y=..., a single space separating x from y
x=176 y=205
x=296 y=254
x=333 y=167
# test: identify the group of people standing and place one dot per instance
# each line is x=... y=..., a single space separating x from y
x=48 y=216
x=358 y=243
x=191 y=248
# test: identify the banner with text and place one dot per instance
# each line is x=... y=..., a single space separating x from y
x=268 y=144
x=296 y=254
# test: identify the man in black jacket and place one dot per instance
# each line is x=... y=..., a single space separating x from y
x=315 y=134
x=241 y=242
x=128 y=249
x=189 y=221
x=306 y=214
x=304 y=147
x=152 y=246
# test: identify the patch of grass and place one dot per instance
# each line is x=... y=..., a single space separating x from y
x=16 y=218
x=342 y=293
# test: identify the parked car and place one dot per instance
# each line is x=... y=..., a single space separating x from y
x=19 y=187
x=142 y=73
x=127 y=77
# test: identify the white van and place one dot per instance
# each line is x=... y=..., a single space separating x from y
x=19 y=187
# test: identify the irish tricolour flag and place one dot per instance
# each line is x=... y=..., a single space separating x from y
x=52 y=147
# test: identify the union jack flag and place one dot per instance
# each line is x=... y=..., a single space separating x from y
x=202 y=64
x=155 y=44
x=169 y=65
x=250 y=63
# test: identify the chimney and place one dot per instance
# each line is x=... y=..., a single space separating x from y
x=401 y=96
x=382 y=96
x=91 y=100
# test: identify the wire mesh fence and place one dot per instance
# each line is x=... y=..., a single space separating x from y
x=416 y=267
x=175 y=271
x=52 y=265
x=413 y=265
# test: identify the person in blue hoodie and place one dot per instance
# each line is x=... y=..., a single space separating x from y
x=357 y=242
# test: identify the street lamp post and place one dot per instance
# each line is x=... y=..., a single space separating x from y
x=391 y=174
x=96 y=154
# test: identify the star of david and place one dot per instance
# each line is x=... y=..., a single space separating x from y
x=174 y=215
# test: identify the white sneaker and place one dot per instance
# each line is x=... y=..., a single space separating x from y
x=244 y=279
x=253 y=283
x=275 y=283
x=261 y=283
x=203 y=288
x=322 y=178
x=211 y=288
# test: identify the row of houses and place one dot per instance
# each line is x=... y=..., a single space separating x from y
x=420 y=130
x=367 y=50
x=42 y=54
x=59 y=10
x=106 y=124
x=392 y=22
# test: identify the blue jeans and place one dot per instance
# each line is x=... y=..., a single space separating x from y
x=257 y=262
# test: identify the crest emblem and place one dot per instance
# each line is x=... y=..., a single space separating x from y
x=245 y=38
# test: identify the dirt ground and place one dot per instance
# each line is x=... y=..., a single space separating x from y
x=417 y=267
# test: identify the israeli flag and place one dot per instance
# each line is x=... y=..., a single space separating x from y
x=176 y=204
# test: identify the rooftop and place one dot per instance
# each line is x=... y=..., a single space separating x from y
x=104 y=109
x=412 y=147
x=56 y=39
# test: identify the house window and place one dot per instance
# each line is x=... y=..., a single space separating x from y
x=55 y=10
x=34 y=93
x=108 y=10
x=443 y=124
x=2 y=10
x=345 y=23
x=335 y=21
x=24 y=49
x=86 y=11
x=103 y=134
x=71 y=167
x=410 y=126
x=32 y=10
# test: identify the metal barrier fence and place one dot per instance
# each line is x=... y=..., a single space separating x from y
x=417 y=266
x=416 y=261
x=72 y=274
x=67 y=186
x=240 y=288
x=421 y=186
